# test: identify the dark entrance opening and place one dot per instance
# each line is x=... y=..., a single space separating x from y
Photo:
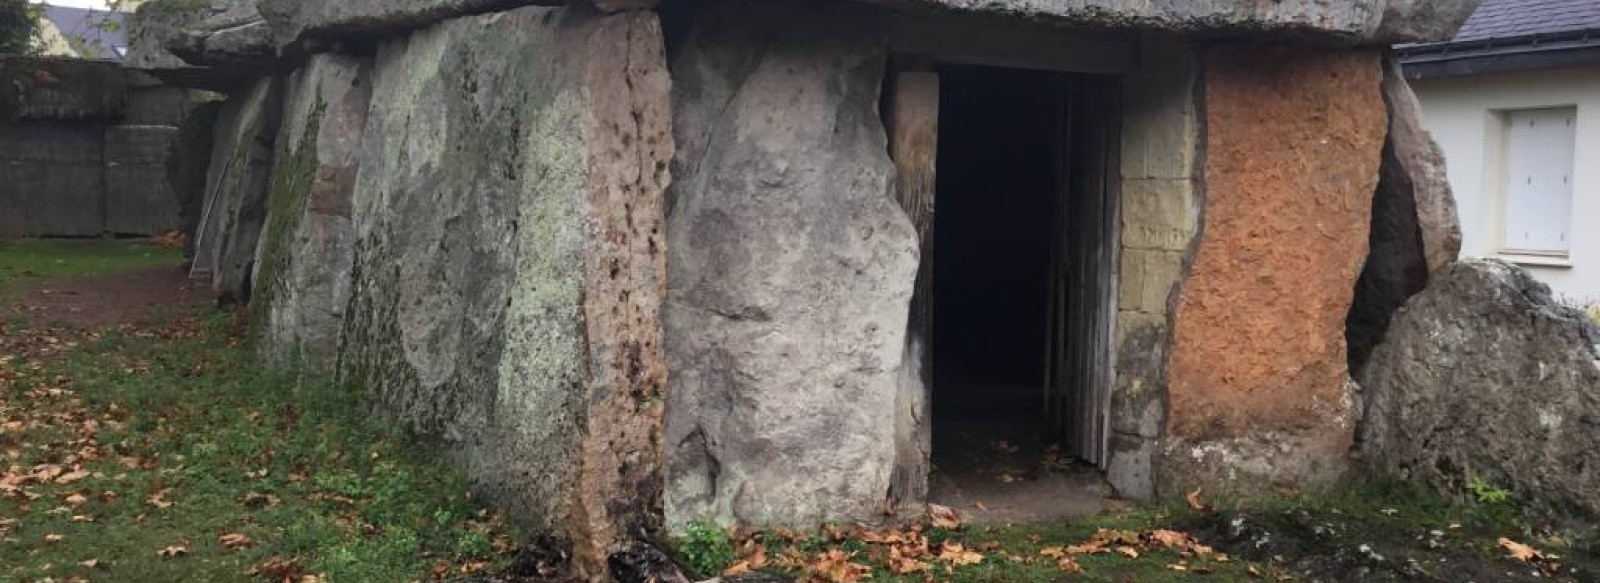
x=1019 y=275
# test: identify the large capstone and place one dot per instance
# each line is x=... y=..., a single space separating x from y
x=1351 y=21
x=238 y=38
x=1260 y=394
x=1483 y=376
x=298 y=21
x=792 y=269
x=158 y=26
x=302 y=281
x=510 y=260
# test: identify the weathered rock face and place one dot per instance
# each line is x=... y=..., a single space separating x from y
x=158 y=25
x=1259 y=390
x=1483 y=375
x=298 y=20
x=510 y=259
x=792 y=269
x=1415 y=232
x=1354 y=21
x=302 y=281
x=237 y=186
x=238 y=38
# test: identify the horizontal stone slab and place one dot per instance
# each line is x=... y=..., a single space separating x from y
x=1355 y=21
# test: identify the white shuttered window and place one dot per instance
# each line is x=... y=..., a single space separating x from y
x=1538 y=189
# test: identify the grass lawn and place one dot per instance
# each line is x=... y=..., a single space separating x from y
x=165 y=452
x=168 y=454
x=1365 y=531
x=32 y=258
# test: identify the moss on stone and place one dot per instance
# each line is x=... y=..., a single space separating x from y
x=172 y=8
x=294 y=174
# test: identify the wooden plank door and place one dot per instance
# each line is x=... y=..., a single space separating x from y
x=1084 y=258
x=912 y=117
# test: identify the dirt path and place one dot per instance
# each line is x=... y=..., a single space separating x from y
x=93 y=301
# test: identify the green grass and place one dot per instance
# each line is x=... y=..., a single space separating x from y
x=49 y=258
x=183 y=414
x=1321 y=533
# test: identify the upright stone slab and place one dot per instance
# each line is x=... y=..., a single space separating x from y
x=792 y=270
x=1415 y=229
x=302 y=281
x=1261 y=398
x=237 y=184
x=1484 y=376
x=510 y=260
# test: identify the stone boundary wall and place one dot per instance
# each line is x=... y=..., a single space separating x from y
x=83 y=149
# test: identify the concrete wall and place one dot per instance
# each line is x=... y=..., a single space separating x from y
x=1461 y=114
x=83 y=149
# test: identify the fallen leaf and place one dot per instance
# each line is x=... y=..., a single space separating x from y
x=1521 y=552
x=836 y=566
x=1193 y=498
x=76 y=500
x=281 y=569
x=71 y=477
x=1069 y=565
x=91 y=563
x=944 y=517
x=234 y=540
x=173 y=551
x=257 y=500
x=159 y=500
x=1128 y=552
x=54 y=538
x=955 y=554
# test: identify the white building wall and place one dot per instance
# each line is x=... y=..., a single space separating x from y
x=1463 y=114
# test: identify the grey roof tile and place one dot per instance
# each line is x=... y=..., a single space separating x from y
x=1515 y=18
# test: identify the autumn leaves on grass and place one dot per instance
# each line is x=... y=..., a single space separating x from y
x=934 y=549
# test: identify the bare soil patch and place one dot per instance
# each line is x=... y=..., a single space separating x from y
x=94 y=301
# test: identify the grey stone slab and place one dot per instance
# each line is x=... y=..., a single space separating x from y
x=508 y=260
x=792 y=270
x=1485 y=376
